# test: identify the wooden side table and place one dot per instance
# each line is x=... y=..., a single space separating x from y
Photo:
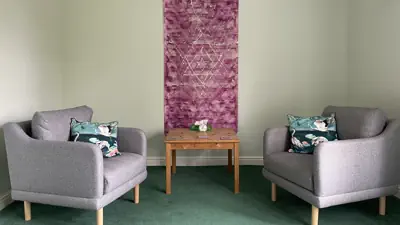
x=185 y=139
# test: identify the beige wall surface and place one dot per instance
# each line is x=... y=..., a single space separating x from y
x=30 y=74
x=292 y=59
x=374 y=54
x=114 y=62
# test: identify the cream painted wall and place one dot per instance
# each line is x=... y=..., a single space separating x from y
x=374 y=54
x=114 y=62
x=292 y=59
x=30 y=73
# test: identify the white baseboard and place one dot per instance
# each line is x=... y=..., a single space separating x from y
x=204 y=161
x=5 y=200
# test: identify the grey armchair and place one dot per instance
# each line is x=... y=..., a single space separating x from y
x=363 y=164
x=71 y=174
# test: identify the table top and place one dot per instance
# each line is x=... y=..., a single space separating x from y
x=184 y=135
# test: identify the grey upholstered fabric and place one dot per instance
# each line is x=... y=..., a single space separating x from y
x=132 y=140
x=75 y=202
x=324 y=202
x=358 y=164
x=276 y=140
x=54 y=167
x=296 y=168
x=72 y=174
x=364 y=164
x=55 y=125
x=121 y=190
x=119 y=170
x=356 y=122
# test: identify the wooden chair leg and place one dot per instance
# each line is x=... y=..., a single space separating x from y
x=100 y=216
x=137 y=194
x=27 y=210
x=382 y=206
x=314 y=215
x=273 y=192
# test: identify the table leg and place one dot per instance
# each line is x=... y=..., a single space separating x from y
x=173 y=161
x=230 y=160
x=236 y=168
x=168 y=169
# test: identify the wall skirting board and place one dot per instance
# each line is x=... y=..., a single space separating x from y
x=204 y=161
x=5 y=200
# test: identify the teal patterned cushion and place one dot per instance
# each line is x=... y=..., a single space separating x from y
x=308 y=132
x=103 y=135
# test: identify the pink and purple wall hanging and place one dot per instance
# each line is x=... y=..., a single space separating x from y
x=201 y=62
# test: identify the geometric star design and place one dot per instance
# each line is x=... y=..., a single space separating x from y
x=201 y=63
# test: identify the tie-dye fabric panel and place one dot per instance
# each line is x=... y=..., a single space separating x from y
x=201 y=62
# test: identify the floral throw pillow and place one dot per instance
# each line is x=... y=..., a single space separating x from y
x=103 y=135
x=308 y=132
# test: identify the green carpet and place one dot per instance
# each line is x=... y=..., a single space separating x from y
x=202 y=196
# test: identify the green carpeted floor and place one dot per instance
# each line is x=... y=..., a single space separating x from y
x=203 y=195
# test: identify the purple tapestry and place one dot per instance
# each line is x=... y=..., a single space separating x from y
x=201 y=62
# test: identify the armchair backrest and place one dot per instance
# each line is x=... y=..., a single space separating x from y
x=55 y=125
x=357 y=122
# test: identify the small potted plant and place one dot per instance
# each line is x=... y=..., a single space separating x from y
x=201 y=125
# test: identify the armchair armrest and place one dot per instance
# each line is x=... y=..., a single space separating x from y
x=132 y=140
x=64 y=168
x=275 y=140
x=358 y=164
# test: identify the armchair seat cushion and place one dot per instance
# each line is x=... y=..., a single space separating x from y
x=296 y=168
x=121 y=169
